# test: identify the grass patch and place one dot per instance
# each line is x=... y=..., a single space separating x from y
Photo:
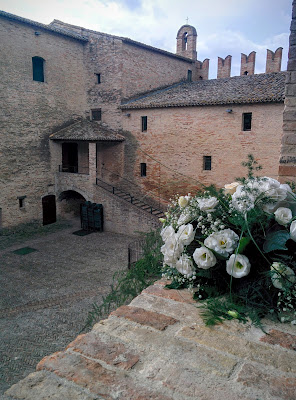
x=128 y=283
x=24 y=250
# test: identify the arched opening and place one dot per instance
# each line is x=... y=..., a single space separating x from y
x=246 y=73
x=38 y=69
x=185 y=41
x=49 y=209
x=70 y=202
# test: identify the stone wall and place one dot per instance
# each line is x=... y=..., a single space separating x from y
x=158 y=348
x=30 y=110
x=287 y=167
x=180 y=137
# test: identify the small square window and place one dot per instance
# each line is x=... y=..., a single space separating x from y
x=247 y=121
x=207 y=163
x=98 y=78
x=96 y=115
x=144 y=124
x=143 y=169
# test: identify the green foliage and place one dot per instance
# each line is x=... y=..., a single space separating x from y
x=128 y=283
x=276 y=241
x=252 y=165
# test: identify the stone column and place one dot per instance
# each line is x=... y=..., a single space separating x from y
x=287 y=167
x=92 y=148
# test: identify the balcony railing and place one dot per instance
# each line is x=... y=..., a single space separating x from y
x=74 y=169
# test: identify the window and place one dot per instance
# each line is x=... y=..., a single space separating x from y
x=21 y=200
x=143 y=169
x=144 y=124
x=247 y=121
x=38 y=69
x=98 y=78
x=189 y=75
x=207 y=163
x=96 y=115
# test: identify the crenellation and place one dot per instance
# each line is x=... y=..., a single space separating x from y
x=248 y=64
x=224 y=67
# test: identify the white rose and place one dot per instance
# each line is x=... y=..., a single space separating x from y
x=283 y=215
x=185 y=266
x=207 y=204
x=183 y=201
x=231 y=187
x=293 y=231
x=242 y=200
x=184 y=218
x=281 y=275
x=167 y=232
x=223 y=242
x=204 y=258
x=186 y=234
x=238 y=265
x=171 y=249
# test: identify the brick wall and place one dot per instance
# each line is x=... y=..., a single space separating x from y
x=30 y=110
x=180 y=137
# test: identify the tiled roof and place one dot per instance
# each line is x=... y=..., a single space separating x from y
x=87 y=131
x=260 y=88
x=60 y=31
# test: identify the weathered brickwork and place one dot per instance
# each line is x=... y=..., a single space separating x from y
x=30 y=110
x=180 y=137
x=287 y=168
x=158 y=348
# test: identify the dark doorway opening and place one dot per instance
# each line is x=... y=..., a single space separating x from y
x=70 y=157
x=70 y=202
x=49 y=210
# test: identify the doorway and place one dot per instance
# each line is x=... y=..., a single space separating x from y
x=70 y=157
x=49 y=209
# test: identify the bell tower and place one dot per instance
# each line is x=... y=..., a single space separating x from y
x=186 y=42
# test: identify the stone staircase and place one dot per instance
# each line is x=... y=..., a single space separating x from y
x=143 y=205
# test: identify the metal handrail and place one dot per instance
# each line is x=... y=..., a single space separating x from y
x=112 y=189
x=135 y=185
x=74 y=169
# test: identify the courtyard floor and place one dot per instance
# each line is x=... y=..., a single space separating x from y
x=45 y=295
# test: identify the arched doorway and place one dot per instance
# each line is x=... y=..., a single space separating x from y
x=49 y=209
x=70 y=202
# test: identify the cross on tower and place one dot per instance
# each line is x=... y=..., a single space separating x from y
x=187 y=19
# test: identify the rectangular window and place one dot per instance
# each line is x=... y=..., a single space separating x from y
x=98 y=78
x=38 y=69
x=96 y=115
x=143 y=169
x=247 y=121
x=144 y=124
x=189 y=75
x=207 y=163
x=21 y=200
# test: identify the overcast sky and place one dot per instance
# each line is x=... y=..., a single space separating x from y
x=223 y=26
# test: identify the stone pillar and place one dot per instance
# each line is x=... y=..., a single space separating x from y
x=92 y=156
x=273 y=60
x=224 y=67
x=287 y=167
x=248 y=63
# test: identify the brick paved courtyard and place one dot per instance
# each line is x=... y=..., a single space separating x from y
x=46 y=294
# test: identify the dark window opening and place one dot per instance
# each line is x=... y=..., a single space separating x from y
x=189 y=75
x=200 y=78
x=246 y=73
x=247 y=121
x=185 y=41
x=70 y=157
x=98 y=76
x=21 y=200
x=207 y=163
x=96 y=115
x=144 y=124
x=38 y=69
x=143 y=169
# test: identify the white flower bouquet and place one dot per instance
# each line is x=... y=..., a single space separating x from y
x=235 y=248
